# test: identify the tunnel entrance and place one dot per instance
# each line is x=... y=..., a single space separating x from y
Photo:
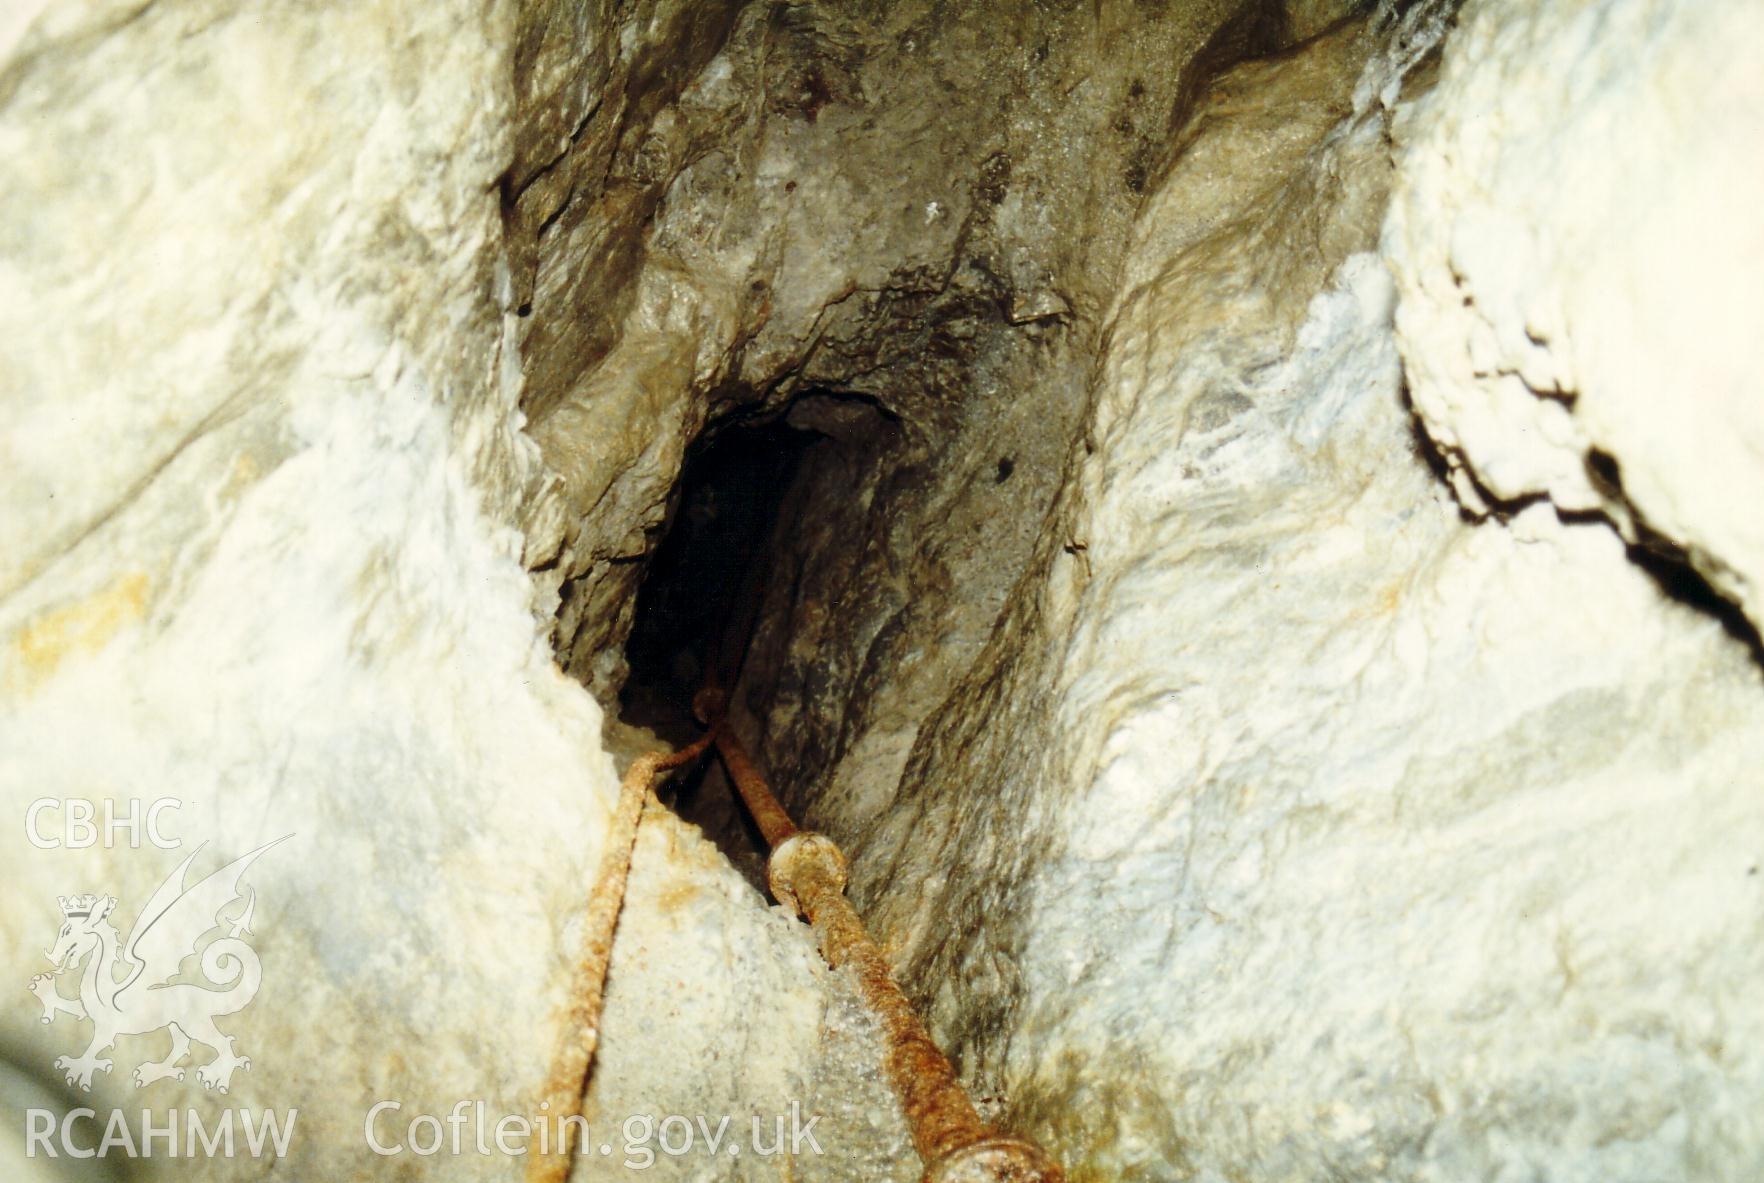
x=692 y=603
x=730 y=491
x=752 y=493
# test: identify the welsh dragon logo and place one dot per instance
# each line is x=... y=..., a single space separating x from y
x=127 y=987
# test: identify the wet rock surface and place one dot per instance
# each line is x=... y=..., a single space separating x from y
x=914 y=205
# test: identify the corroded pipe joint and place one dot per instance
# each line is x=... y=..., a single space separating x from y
x=997 y=1159
x=802 y=865
x=808 y=872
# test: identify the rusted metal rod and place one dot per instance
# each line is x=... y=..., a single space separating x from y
x=567 y=1086
x=807 y=871
x=774 y=824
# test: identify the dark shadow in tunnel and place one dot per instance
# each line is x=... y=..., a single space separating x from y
x=731 y=488
x=730 y=491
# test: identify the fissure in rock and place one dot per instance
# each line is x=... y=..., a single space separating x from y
x=700 y=595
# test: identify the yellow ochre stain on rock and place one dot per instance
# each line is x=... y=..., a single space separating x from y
x=84 y=626
x=684 y=846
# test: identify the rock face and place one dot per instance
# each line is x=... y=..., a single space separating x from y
x=906 y=205
x=1236 y=612
x=1569 y=236
x=721 y=1009
x=260 y=380
x=1289 y=823
x=260 y=427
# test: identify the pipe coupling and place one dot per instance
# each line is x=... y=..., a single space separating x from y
x=802 y=863
x=1000 y=1158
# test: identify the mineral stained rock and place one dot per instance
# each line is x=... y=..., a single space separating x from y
x=915 y=204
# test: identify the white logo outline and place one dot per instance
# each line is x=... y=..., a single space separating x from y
x=168 y=931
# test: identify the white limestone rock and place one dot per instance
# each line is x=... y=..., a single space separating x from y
x=262 y=457
x=1576 y=240
x=732 y=1033
x=259 y=428
x=1287 y=825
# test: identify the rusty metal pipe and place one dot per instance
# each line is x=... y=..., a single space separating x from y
x=567 y=1085
x=774 y=824
x=807 y=871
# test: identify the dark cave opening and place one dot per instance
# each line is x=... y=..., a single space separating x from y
x=696 y=603
x=726 y=582
x=691 y=599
